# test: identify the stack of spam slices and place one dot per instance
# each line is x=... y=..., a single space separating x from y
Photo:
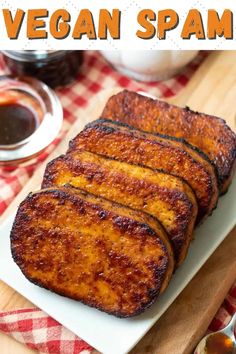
x=116 y=213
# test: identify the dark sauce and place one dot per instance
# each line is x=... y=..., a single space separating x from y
x=219 y=343
x=55 y=71
x=17 y=123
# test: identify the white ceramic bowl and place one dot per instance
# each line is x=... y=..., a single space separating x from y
x=149 y=65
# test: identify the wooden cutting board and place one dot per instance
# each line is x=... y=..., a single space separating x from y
x=212 y=90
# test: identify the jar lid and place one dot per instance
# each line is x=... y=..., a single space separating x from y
x=29 y=55
x=28 y=105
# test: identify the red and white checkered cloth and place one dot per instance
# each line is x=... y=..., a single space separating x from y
x=40 y=332
x=32 y=326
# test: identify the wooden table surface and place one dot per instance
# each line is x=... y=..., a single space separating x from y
x=212 y=90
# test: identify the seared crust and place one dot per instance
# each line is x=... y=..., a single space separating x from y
x=165 y=197
x=104 y=255
x=210 y=134
x=172 y=155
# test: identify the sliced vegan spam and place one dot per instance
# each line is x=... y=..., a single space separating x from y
x=91 y=250
x=161 y=195
x=208 y=133
x=174 y=156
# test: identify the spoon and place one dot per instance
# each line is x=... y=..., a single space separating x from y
x=220 y=342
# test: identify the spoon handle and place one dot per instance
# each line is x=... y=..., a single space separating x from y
x=231 y=323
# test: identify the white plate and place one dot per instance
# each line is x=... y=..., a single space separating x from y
x=106 y=333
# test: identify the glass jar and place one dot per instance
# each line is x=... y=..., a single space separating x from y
x=149 y=65
x=55 y=68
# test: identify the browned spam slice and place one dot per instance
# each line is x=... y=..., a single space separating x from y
x=161 y=195
x=172 y=155
x=92 y=250
x=208 y=133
